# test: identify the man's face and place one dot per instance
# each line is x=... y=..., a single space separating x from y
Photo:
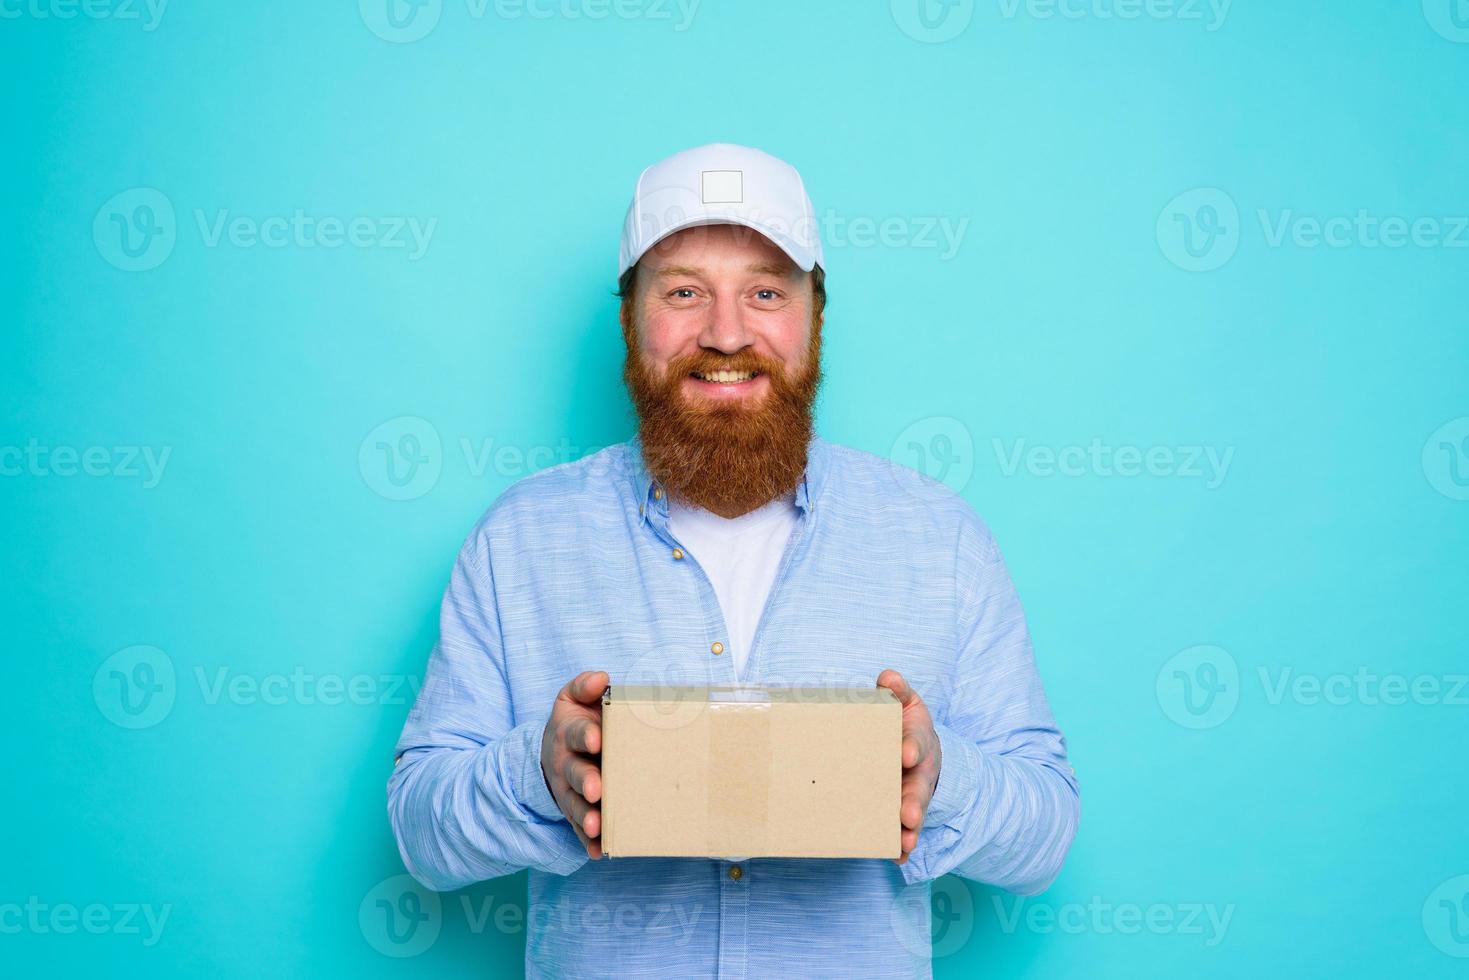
x=722 y=298
x=723 y=366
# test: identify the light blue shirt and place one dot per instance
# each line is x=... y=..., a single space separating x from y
x=573 y=569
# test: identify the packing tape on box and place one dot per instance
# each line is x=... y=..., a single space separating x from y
x=745 y=760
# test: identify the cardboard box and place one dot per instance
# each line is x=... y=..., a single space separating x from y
x=740 y=772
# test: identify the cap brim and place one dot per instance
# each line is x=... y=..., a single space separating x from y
x=803 y=256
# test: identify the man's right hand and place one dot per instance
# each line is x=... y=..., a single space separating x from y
x=571 y=755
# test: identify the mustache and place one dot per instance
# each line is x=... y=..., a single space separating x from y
x=706 y=361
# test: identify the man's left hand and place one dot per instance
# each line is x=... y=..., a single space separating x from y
x=921 y=758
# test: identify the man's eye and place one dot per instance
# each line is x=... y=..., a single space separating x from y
x=684 y=293
x=767 y=295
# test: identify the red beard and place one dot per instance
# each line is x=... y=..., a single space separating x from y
x=725 y=458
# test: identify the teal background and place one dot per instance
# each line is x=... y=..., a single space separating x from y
x=1335 y=543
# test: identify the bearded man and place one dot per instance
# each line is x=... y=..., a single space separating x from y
x=726 y=543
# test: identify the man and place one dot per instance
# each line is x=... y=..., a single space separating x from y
x=726 y=544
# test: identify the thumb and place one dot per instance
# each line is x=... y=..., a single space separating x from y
x=587 y=687
x=893 y=681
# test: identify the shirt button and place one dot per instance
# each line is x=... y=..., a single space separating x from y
x=677 y=554
x=718 y=648
x=735 y=873
x=657 y=493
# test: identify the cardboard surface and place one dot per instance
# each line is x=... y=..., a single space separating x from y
x=739 y=772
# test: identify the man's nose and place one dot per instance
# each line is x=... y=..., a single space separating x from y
x=726 y=330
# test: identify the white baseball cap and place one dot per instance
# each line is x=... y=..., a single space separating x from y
x=716 y=184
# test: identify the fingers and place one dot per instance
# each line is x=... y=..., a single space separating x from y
x=911 y=811
x=912 y=752
x=583 y=777
x=587 y=687
x=586 y=819
x=912 y=807
x=577 y=811
x=573 y=734
x=584 y=735
x=594 y=845
x=919 y=747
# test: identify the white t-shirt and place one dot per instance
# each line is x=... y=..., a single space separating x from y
x=741 y=556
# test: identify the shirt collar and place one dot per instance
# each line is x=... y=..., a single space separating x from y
x=808 y=491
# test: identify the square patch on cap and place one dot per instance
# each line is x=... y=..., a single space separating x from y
x=722 y=186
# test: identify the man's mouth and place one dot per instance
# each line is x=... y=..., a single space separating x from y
x=725 y=377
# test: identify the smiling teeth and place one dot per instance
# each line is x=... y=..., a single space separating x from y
x=725 y=377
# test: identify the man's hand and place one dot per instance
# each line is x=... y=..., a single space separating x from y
x=571 y=755
x=921 y=758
